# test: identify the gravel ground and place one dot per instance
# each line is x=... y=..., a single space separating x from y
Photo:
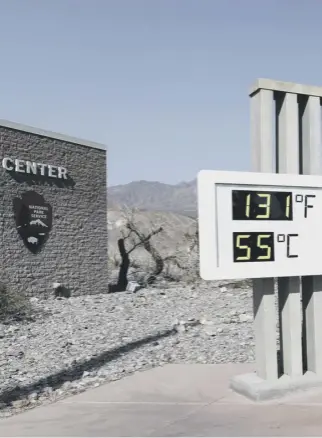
x=76 y=343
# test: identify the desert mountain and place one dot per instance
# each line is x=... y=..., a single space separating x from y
x=155 y=196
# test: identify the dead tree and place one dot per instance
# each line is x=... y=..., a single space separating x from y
x=124 y=267
x=146 y=243
x=133 y=237
x=136 y=239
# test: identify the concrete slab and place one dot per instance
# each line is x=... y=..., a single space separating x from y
x=255 y=388
x=95 y=419
x=175 y=400
x=173 y=383
x=222 y=419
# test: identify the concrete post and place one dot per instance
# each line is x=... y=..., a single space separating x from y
x=289 y=298
x=262 y=118
x=310 y=109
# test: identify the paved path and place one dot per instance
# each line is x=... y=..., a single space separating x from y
x=175 y=400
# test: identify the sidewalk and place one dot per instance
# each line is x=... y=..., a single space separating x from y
x=175 y=400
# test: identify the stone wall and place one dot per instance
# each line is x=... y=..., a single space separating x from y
x=75 y=253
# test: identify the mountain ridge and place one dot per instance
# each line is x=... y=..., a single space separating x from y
x=156 y=196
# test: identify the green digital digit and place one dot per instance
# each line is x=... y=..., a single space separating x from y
x=287 y=209
x=243 y=247
x=260 y=245
x=247 y=205
x=267 y=206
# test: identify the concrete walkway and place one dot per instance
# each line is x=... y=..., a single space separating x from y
x=176 y=400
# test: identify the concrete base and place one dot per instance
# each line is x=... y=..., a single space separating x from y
x=257 y=389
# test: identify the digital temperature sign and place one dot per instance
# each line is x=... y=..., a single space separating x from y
x=257 y=225
x=256 y=205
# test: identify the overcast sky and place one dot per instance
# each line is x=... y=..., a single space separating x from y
x=163 y=83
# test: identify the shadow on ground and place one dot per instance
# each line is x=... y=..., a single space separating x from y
x=55 y=381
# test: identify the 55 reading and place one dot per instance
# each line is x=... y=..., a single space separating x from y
x=257 y=205
x=253 y=247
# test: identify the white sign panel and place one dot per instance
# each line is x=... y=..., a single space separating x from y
x=256 y=225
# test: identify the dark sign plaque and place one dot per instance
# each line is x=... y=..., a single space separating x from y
x=33 y=219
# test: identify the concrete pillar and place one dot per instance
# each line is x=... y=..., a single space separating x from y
x=262 y=140
x=289 y=289
x=312 y=286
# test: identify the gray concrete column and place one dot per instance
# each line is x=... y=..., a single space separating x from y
x=289 y=289
x=312 y=286
x=262 y=140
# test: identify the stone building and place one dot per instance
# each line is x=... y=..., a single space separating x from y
x=53 y=212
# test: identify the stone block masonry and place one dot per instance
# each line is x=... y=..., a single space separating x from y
x=53 y=212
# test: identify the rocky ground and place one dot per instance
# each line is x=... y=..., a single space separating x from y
x=80 y=342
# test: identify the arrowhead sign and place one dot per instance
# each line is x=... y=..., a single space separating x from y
x=33 y=218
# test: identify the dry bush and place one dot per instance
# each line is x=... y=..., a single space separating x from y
x=13 y=305
x=183 y=263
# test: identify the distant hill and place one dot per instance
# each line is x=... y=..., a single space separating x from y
x=148 y=195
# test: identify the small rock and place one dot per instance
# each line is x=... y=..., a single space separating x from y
x=244 y=317
x=133 y=286
x=47 y=390
x=12 y=329
x=211 y=331
x=180 y=328
x=14 y=352
x=66 y=385
x=21 y=379
x=102 y=373
x=18 y=404
x=204 y=321
x=61 y=291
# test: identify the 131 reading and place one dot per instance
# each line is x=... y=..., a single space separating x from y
x=258 y=205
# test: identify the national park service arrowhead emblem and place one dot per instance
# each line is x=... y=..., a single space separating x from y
x=33 y=218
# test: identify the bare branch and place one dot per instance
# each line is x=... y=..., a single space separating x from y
x=143 y=239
